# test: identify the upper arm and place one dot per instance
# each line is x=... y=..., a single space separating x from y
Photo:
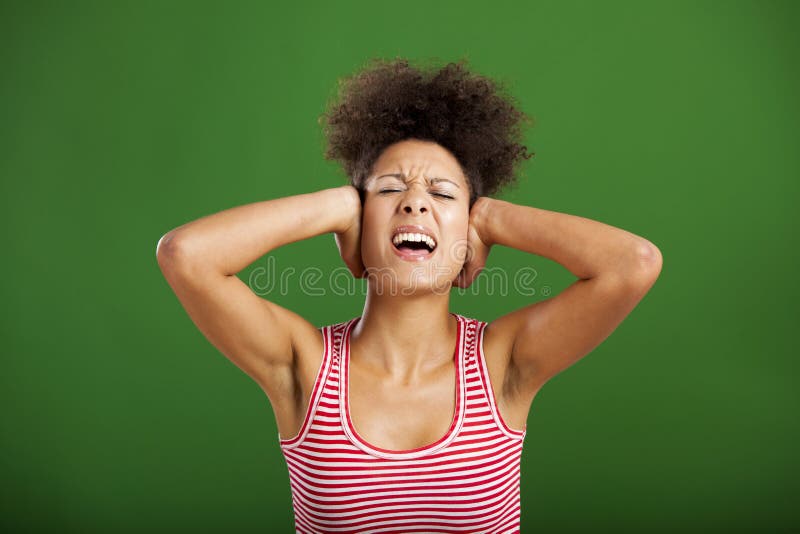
x=544 y=338
x=262 y=338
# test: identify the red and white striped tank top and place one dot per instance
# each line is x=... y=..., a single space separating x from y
x=467 y=481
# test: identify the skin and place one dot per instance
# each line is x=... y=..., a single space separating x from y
x=405 y=343
x=401 y=362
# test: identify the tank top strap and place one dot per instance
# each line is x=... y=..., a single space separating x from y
x=331 y=356
x=471 y=327
x=481 y=368
x=337 y=337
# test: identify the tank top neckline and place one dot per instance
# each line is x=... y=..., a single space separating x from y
x=344 y=400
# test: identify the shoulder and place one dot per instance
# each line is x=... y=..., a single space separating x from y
x=313 y=346
x=496 y=344
x=320 y=343
x=494 y=338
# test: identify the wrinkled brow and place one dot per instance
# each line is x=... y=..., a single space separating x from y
x=431 y=180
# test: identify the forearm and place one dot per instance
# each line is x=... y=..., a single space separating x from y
x=587 y=248
x=230 y=240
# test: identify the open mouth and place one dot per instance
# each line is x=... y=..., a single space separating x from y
x=414 y=243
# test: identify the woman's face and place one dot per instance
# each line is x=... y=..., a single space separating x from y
x=416 y=197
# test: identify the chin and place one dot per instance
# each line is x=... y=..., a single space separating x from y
x=411 y=279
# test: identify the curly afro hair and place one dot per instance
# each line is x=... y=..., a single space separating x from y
x=389 y=101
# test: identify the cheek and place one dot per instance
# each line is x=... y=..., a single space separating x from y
x=457 y=241
x=457 y=224
x=374 y=212
x=371 y=232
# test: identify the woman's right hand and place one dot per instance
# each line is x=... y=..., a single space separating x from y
x=348 y=240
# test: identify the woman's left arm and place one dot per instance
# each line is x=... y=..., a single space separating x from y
x=615 y=269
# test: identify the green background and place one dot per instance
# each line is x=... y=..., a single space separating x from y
x=677 y=121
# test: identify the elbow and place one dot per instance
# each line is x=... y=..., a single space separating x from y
x=169 y=250
x=638 y=268
x=647 y=262
x=650 y=257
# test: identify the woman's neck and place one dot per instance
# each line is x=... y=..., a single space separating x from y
x=405 y=335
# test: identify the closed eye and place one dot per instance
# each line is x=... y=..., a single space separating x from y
x=441 y=195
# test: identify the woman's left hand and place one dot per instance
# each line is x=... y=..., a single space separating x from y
x=478 y=245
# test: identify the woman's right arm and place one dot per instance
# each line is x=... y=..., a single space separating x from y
x=200 y=260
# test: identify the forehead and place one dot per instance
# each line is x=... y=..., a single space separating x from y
x=414 y=157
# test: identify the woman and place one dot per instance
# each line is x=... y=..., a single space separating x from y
x=408 y=418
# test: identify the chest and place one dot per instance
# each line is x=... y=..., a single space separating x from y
x=395 y=415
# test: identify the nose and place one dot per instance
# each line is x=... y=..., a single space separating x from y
x=415 y=201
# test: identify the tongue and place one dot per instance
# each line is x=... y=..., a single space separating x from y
x=413 y=245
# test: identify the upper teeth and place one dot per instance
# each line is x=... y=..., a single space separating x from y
x=399 y=238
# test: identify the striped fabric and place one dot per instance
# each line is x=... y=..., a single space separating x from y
x=467 y=481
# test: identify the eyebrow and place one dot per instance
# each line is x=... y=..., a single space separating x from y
x=432 y=180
